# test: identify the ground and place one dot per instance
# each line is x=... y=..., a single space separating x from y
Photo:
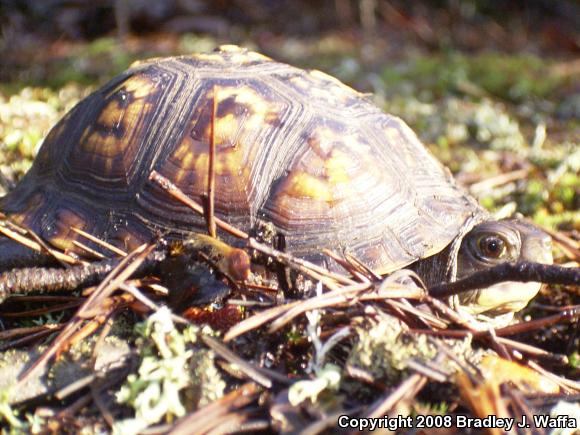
x=495 y=98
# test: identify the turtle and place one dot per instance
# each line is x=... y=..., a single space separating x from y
x=295 y=149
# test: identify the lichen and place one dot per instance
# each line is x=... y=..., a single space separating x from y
x=171 y=371
x=384 y=349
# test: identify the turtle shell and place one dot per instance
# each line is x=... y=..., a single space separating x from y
x=295 y=148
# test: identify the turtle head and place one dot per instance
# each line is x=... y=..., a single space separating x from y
x=494 y=242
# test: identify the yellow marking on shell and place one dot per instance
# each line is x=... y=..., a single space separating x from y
x=322 y=140
x=63 y=235
x=334 y=159
x=259 y=112
x=230 y=129
x=112 y=116
x=300 y=184
x=228 y=156
x=184 y=154
x=236 y=132
x=231 y=48
x=336 y=166
x=325 y=172
x=138 y=85
x=62 y=243
x=234 y=54
x=183 y=151
x=227 y=162
x=225 y=128
x=334 y=177
x=392 y=134
x=260 y=108
x=187 y=160
x=94 y=143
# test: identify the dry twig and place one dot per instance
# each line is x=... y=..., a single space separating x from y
x=178 y=194
x=123 y=271
x=211 y=224
x=521 y=272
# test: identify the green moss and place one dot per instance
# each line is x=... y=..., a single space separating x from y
x=25 y=119
x=568 y=220
x=575 y=360
x=533 y=198
x=566 y=193
x=509 y=77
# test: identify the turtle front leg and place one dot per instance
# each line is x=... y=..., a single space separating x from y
x=230 y=261
x=15 y=255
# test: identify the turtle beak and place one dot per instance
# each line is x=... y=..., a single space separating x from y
x=536 y=244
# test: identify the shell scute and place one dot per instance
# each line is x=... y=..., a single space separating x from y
x=110 y=145
x=249 y=118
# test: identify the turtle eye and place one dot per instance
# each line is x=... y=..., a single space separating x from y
x=492 y=246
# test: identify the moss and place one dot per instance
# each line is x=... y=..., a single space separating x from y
x=25 y=119
x=512 y=78
x=574 y=359
x=567 y=191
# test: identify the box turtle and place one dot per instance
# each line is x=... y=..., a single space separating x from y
x=295 y=148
